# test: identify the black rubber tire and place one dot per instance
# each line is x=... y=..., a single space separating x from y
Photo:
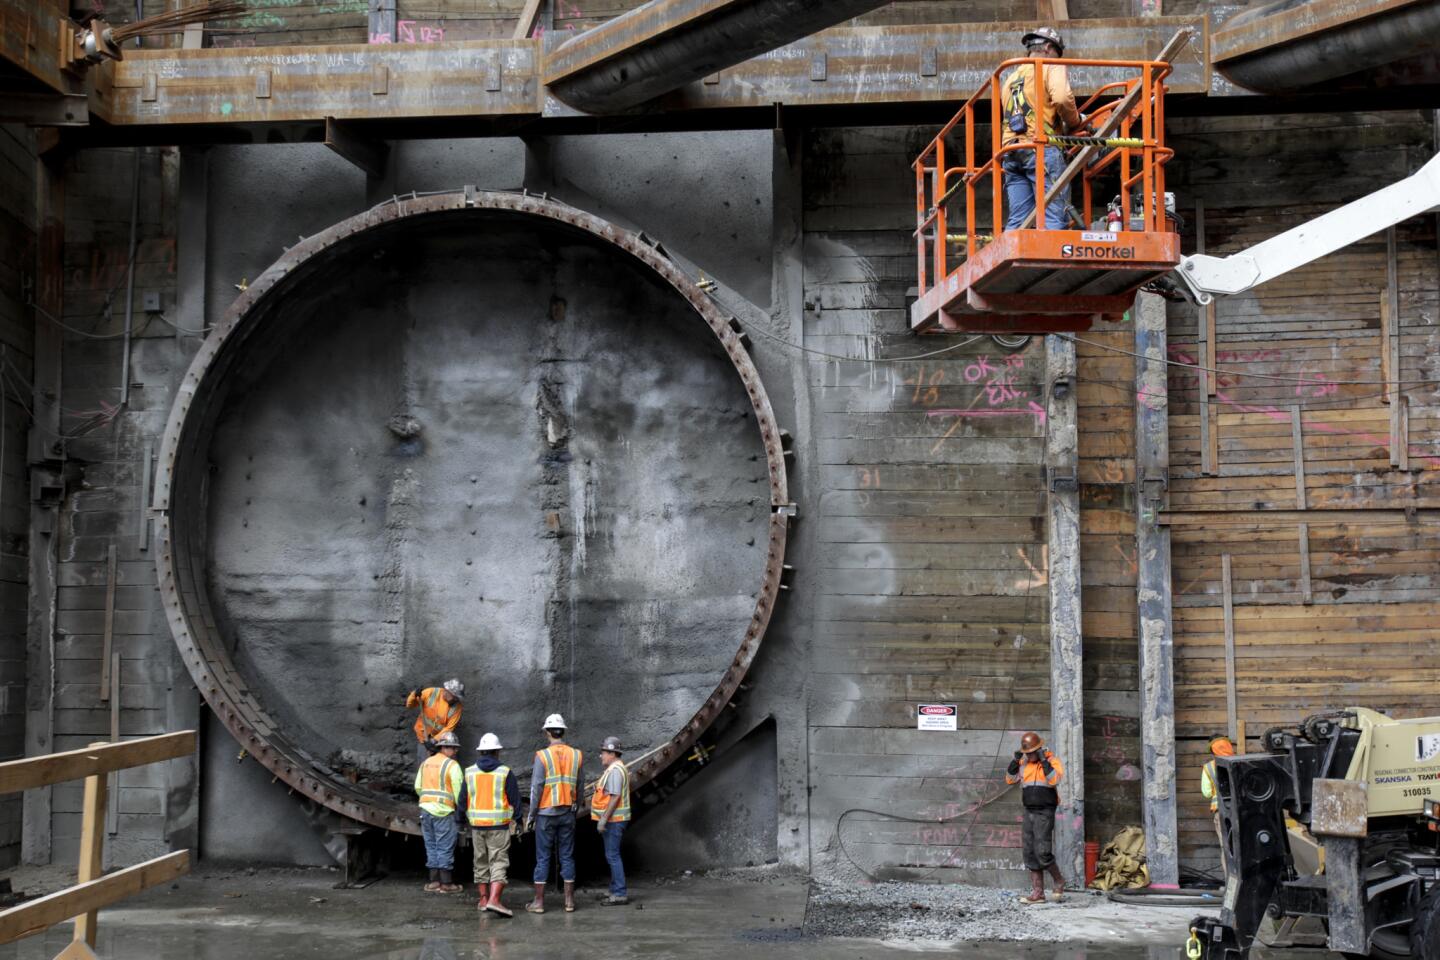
x=1425 y=928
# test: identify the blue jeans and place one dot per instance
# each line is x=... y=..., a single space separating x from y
x=555 y=833
x=614 y=833
x=1019 y=166
x=440 y=834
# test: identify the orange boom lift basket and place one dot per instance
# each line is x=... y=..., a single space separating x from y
x=1027 y=280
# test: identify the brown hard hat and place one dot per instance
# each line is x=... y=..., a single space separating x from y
x=1031 y=741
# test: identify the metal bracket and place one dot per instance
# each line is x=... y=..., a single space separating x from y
x=1153 y=487
x=1062 y=479
x=788 y=510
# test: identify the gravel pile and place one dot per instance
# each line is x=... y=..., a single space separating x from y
x=925 y=911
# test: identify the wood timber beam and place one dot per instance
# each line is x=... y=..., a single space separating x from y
x=487 y=87
x=39 y=915
x=32 y=772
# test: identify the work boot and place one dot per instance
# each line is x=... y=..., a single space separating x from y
x=1037 y=888
x=482 y=896
x=447 y=883
x=434 y=883
x=569 y=896
x=495 y=904
x=538 y=904
x=1058 y=894
x=614 y=901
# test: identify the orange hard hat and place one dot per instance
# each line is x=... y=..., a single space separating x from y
x=1222 y=747
x=1031 y=741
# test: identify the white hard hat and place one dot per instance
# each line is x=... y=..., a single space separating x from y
x=455 y=687
x=489 y=742
x=554 y=722
x=447 y=739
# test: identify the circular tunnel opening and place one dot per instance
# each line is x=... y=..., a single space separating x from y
x=499 y=440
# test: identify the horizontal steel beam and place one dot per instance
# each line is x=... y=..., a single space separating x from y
x=258 y=85
x=220 y=93
x=31 y=35
x=664 y=44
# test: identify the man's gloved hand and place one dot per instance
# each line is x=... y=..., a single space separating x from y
x=1045 y=764
x=1018 y=755
x=1015 y=765
x=600 y=826
x=529 y=824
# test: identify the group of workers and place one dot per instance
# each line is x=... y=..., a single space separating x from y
x=486 y=794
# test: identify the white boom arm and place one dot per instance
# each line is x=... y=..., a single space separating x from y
x=1207 y=276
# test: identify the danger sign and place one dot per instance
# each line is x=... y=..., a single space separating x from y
x=936 y=716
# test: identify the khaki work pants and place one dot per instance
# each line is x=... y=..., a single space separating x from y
x=492 y=854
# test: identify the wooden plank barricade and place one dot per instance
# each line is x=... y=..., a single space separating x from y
x=92 y=891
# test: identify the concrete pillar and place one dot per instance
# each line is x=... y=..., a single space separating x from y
x=1067 y=738
x=1152 y=552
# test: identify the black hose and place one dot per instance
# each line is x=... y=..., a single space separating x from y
x=1183 y=897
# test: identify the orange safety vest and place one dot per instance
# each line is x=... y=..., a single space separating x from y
x=488 y=804
x=599 y=800
x=562 y=768
x=438 y=785
x=435 y=714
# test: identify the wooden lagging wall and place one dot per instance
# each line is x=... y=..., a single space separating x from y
x=1364 y=633
x=1106 y=400
x=931 y=535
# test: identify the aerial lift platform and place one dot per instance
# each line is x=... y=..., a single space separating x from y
x=1029 y=280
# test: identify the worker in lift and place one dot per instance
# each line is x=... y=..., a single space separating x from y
x=440 y=709
x=1038 y=771
x=1021 y=124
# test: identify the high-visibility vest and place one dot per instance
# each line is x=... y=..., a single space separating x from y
x=562 y=769
x=435 y=714
x=438 y=783
x=599 y=800
x=1207 y=785
x=489 y=804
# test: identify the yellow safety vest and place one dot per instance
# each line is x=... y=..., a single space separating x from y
x=438 y=782
x=562 y=769
x=489 y=804
x=599 y=800
x=1207 y=785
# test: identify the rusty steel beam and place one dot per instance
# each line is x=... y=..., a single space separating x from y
x=32 y=35
x=664 y=44
x=261 y=85
x=1287 y=46
x=217 y=94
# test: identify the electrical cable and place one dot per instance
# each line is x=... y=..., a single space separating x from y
x=1236 y=373
x=837 y=356
x=840 y=838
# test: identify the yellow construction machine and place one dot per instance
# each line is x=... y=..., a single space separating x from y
x=1367 y=789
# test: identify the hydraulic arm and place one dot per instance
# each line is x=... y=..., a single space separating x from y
x=1207 y=276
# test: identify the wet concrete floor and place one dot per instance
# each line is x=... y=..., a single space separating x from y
x=242 y=915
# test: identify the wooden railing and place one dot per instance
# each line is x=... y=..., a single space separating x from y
x=91 y=891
